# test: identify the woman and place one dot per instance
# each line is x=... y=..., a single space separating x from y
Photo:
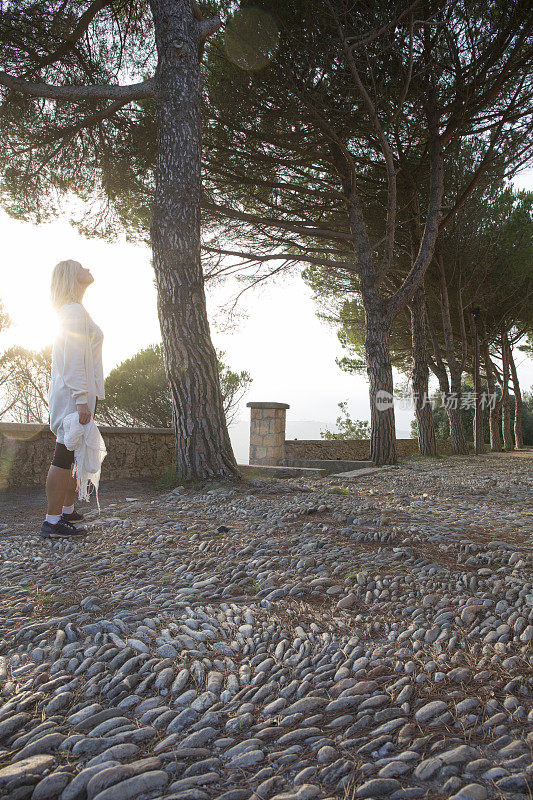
x=77 y=382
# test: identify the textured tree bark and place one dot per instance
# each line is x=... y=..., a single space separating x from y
x=377 y=331
x=427 y=443
x=479 y=441
x=457 y=431
x=379 y=371
x=203 y=447
x=506 y=403
x=518 y=437
x=494 y=408
x=453 y=401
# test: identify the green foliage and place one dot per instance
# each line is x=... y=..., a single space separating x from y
x=258 y=475
x=137 y=391
x=170 y=478
x=499 y=248
x=347 y=428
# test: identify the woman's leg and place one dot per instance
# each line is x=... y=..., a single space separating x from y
x=57 y=484
x=70 y=493
x=59 y=480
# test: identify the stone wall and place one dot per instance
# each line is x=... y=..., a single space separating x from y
x=143 y=453
x=132 y=453
x=348 y=449
x=268 y=445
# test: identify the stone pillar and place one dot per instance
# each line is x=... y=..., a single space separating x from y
x=267 y=433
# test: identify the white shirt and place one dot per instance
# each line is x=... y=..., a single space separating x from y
x=77 y=369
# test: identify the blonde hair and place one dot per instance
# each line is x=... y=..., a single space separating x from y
x=65 y=287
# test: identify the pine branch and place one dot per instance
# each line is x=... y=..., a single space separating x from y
x=76 y=94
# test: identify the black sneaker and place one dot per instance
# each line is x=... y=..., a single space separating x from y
x=61 y=530
x=74 y=517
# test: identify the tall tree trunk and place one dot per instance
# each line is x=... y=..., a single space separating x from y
x=494 y=406
x=380 y=314
x=518 y=437
x=457 y=431
x=479 y=441
x=506 y=403
x=203 y=447
x=453 y=412
x=377 y=331
x=450 y=400
x=427 y=443
x=379 y=370
x=453 y=401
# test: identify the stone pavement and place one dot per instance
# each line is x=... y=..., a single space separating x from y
x=326 y=638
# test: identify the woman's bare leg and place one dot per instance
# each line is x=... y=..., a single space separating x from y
x=57 y=484
x=70 y=494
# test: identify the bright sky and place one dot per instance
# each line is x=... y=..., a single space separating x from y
x=288 y=351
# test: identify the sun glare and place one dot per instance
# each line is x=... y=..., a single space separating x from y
x=32 y=328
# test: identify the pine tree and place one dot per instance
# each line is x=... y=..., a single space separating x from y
x=68 y=122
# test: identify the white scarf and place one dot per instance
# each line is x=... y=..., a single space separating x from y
x=89 y=452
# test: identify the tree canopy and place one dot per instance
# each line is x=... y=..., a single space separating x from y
x=137 y=391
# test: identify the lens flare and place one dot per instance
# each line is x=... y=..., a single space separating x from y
x=251 y=39
x=8 y=449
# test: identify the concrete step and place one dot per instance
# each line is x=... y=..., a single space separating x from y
x=332 y=466
x=261 y=471
x=357 y=473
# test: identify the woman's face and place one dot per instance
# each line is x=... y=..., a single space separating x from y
x=84 y=276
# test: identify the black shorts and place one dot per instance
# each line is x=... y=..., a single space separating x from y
x=64 y=458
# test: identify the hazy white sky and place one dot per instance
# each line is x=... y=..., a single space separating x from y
x=288 y=351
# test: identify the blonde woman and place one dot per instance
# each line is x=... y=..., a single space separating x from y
x=77 y=383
